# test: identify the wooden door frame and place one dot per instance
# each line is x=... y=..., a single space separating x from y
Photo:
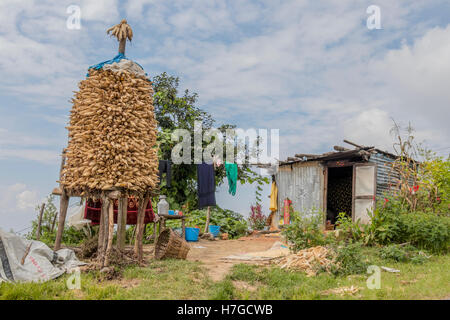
x=325 y=194
x=326 y=166
x=363 y=164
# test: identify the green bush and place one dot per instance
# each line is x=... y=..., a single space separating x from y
x=405 y=253
x=390 y=225
x=49 y=226
x=70 y=237
x=229 y=221
x=348 y=259
x=423 y=230
x=305 y=230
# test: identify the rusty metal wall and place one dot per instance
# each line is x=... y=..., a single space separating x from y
x=384 y=175
x=303 y=183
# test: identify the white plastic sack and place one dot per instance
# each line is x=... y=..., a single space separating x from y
x=127 y=65
x=40 y=264
x=76 y=217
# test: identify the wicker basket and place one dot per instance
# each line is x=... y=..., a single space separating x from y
x=171 y=245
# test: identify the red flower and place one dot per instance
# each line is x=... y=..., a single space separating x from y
x=386 y=200
x=416 y=188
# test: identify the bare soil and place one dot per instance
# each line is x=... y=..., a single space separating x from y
x=210 y=253
x=214 y=251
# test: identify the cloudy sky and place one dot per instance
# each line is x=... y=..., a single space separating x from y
x=309 y=68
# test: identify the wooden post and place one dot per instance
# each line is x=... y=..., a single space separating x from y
x=155 y=232
x=103 y=230
x=54 y=222
x=183 y=228
x=138 y=248
x=63 y=205
x=38 y=231
x=101 y=234
x=122 y=44
x=208 y=217
x=110 y=233
x=121 y=222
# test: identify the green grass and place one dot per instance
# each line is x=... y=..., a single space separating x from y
x=175 y=279
x=430 y=280
x=170 y=279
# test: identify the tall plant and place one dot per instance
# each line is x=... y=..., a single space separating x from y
x=420 y=185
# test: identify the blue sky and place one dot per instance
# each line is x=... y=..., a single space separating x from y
x=309 y=68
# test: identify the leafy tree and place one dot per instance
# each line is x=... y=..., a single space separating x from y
x=179 y=111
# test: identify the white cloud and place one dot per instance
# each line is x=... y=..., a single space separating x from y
x=100 y=10
x=39 y=155
x=16 y=145
x=416 y=80
x=27 y=199
x=17 y=205
x=314 y=70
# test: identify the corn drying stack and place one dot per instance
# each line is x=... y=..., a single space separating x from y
x=112 y=131
x=111 y=153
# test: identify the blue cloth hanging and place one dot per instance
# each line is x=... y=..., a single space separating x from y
x=206 y=185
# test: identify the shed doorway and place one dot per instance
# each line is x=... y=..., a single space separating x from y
x=339 y=192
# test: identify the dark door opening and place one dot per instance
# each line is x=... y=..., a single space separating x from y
x=339 y=192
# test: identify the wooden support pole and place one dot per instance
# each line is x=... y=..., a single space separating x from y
x=54 y=222
x=208 y=217
x=38 y=231
x=183 y=228
x=63 y=205
x=110 y=233
x=121 y=222
x=105 y=214
x=122 y=44
x=354 y=144
x=101 y=234
x=155 y=232
x=138 y=248
x=103 y=230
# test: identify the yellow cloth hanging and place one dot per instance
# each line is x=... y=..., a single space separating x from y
x=273 y=197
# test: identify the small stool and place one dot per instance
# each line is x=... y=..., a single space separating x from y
x=162 y=223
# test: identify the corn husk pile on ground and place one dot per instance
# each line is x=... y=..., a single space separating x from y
x=307 y=260
x=352 y=290
x=112 y=133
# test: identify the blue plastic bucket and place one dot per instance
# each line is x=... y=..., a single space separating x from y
x=214 y=230
x=192 y=234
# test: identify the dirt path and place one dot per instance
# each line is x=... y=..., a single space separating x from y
x=211 y=252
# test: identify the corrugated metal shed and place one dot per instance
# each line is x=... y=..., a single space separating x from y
x=301 y=178
x=303 y=183
x=384 y=174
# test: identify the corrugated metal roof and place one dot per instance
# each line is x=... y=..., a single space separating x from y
x=343 y=153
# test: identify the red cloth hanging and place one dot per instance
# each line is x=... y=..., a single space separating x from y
x=93 y=209
x=287 y=210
